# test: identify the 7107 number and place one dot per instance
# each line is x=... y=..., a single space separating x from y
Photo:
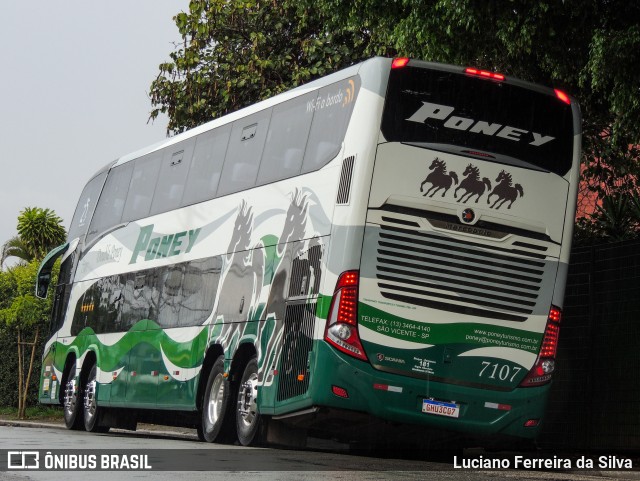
x=499 y=371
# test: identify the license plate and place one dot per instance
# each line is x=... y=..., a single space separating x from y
x=440 y=408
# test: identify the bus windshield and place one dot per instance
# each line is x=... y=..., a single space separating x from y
x=495 y=120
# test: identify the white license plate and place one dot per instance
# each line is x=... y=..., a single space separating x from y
x=440 y=408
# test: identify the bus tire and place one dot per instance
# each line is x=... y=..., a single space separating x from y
x=72 y=400
x=92 y=413
x=215 y=401
x=248 y=420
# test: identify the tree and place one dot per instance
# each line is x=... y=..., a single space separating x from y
x=15 y=247
x=40 y=230
x=237 y=52
x=24 y=314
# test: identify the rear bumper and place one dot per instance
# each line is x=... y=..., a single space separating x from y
x=402 y=401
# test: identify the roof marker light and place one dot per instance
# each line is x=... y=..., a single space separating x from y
x=562 y=96
x=484 y=74
x=399 y=62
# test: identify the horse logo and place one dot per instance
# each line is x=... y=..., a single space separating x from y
x=439 y=179
x=472 y=184
x=505 y=191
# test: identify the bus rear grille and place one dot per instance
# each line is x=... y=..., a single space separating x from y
x=296 y=345
x=456 y=275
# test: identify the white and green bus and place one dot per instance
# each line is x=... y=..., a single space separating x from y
x=387 y=244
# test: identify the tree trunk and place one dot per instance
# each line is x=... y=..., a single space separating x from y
x=20 y=377
x=25 y=391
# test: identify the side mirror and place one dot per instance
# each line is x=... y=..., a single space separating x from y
x=44 y=271
x=42 y=285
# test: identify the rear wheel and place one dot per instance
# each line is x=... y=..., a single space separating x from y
x=214 y=406
x=92 y=412
x=248 y=419
x=72 y=400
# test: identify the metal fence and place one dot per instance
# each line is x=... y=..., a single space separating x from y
x=595 y=398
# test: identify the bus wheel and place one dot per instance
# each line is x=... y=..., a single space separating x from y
x=247 y=416
x=214 y=405
x=92 y=412
x=72 y=401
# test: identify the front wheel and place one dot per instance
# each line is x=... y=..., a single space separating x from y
x=247 y=416
x=72 y=400
x=92 y=412
x=214 y=405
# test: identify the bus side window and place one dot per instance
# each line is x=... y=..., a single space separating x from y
x=173 y=177
x=143 y=183
x=200 y=284
x=111 y=203
x=333 y=108
x=206 y=165
x=86 y=206
x=242 y=161
x=170 y=296
x=286 y=139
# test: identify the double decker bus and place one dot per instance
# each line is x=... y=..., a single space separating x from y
x=387 y=244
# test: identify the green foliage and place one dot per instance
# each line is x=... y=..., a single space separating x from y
x=19 y=306
x=15 y=247
x=236 y=52
x=40 y=411
x=21 y=310
x=616 y=219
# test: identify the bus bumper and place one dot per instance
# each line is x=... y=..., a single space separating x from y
x=400 y=399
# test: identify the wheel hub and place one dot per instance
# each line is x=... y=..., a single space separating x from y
x=216 y=396
x=247 y=400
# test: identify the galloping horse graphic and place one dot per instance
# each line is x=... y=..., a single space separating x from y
x=505 y=191
x=439 y=179
x=243 y=271
x=287 y=250
x=472 y=184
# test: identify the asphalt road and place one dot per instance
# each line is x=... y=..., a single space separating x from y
x=234 y=462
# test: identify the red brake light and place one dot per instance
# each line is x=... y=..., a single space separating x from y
x=347 y=279
x=562 y=96
x=550 y=340
x=484 y=74
x=399 y=62
x=545 y=364
x=341 y=330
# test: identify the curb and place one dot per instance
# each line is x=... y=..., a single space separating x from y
x=52 y=425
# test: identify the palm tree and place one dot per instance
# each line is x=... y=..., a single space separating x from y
x=616 y=219
x=41 y=230
x=15 y=247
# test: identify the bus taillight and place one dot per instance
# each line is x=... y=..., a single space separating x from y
x=562 y=96
x=484 y=74
x=342 y=322
x=399 y=62
x=546 y=362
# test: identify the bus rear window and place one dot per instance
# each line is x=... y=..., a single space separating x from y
x=427 y=106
